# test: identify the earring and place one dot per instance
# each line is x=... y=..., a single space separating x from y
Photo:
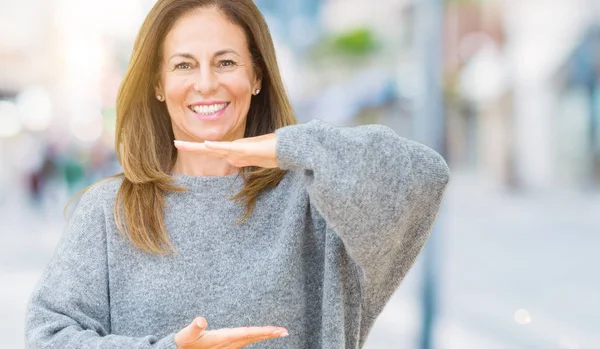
x=159 y=97
x=257 y=91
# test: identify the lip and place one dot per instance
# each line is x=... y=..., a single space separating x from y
x=207 y=103
x=214 y=116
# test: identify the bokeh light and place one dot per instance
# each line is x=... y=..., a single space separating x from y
x=10 y=124
x=35 y=108
x=522 y=317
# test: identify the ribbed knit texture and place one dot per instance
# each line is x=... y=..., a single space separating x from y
x=321 y=254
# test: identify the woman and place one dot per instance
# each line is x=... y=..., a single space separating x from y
x=324 y=224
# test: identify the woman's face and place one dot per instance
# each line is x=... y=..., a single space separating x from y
x=207 y=77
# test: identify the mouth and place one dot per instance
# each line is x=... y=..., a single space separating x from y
x=209 y=111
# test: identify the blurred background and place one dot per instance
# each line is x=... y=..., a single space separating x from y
x=507 y=90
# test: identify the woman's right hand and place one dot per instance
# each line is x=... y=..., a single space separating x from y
x=195 y=336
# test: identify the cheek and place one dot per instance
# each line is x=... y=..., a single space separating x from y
x=175 y=87
x=238 y=85
x=175 y=93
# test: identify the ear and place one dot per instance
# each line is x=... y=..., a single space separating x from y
x=258 y=74
x=159 y=94
x=158 y=89
x=158 y=86
x=257 y=87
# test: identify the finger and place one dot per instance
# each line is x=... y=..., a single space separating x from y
x=237 y=154
x=273 y=335
x=194 y=146
x=248 y=334
x=193 y=331
x=243 y=154
x=198 y=148
x=218 y=145
x=229 y=147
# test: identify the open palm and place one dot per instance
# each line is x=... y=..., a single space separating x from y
x=257 y=151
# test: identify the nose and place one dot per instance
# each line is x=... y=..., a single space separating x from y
x=206 y=81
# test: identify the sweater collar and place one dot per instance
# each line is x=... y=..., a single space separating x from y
x=208 y=184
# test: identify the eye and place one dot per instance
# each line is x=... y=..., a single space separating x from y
x=226 y=63
x=183 y=65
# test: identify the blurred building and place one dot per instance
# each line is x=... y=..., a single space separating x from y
x=503 y=99
x=578 y=112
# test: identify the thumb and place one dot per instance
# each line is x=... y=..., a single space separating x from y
x=193 y=331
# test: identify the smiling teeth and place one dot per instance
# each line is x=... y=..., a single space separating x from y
x=208 y=109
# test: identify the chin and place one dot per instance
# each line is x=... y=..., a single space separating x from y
x=215 y=135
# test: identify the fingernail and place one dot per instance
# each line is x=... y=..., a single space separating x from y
x=284 y=334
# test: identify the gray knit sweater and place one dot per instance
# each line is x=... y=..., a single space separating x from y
x=321 y=254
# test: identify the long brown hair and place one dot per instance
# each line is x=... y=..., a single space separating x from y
x=144 y=135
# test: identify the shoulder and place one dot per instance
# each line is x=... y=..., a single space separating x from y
x=99 y=195
x=104 y=189
x=88 y=212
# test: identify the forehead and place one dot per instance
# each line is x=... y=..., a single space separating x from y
x=204 y=30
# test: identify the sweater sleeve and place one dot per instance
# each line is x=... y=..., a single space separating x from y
x=70 y=306
x=377 y=191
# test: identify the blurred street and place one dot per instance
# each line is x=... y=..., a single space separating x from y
x=500 y=253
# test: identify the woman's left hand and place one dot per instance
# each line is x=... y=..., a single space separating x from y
x=252 y=151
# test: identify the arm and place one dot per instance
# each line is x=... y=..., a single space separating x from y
x=69 y=307
x=377 y=191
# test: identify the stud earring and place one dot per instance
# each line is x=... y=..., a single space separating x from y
x=257 y=91
x=159 y=97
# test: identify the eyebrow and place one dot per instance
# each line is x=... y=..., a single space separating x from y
x=218 y=53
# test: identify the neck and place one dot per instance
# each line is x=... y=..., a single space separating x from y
x=194 y=164
x=191 y=164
